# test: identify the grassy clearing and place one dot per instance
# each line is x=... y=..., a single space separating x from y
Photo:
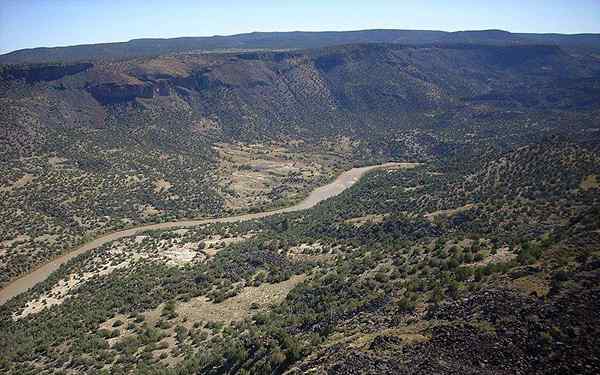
x=448 y=213
x=260 y=175
x=532 y=284
x=362 y=220
x=240 y=306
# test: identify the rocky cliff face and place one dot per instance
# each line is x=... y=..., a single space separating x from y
x=38 y=73
x=113 y=93
x=352 y=88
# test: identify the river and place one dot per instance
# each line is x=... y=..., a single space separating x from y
x=341 y=183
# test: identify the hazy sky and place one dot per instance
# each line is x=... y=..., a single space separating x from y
x=36 y=23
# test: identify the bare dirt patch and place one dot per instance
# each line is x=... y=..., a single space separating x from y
x=504 y=254
x=56 y=162
x=60 y=292
x=19 y=238
x=311 y=252
x=149 y=210
x=7 y=244
x=215 y=243
x=399 y=166
x=178 y=255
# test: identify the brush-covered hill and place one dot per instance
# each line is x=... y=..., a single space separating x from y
x=95 y=146
x=348 y=89
x=482 y=258
x=376 y=280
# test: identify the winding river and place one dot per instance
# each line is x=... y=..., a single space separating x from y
x=341 y=183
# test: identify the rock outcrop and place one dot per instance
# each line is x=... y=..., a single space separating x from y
x=38 y=73
x=110 y=93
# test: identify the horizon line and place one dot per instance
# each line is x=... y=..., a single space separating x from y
x=6 y=52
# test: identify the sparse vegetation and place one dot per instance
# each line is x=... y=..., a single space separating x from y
x=482 y=257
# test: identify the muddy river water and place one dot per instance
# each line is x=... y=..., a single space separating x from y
x=341 y=183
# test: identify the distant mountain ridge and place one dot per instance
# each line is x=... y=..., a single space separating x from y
x=288 y=40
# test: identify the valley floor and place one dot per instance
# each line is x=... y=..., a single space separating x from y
x=412 y=269
x=342 y=182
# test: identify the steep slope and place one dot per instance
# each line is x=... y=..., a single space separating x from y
x=352 y=87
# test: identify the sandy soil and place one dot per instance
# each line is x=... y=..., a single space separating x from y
x=162 y=186
x=60 y=292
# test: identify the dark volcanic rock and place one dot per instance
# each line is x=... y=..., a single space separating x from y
x=495 y=331
x=38 y=73
x=110 y=93
x=383 y=342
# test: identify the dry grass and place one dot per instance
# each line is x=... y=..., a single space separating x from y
x=22 y=181
x=166 y=65
x=590 y=182
x=449 y=213
x=249 y=173
x=233 y=309
x=200 y=310
x=532 y=284
x=368 y=219
x=410 y=334
x=238 y=307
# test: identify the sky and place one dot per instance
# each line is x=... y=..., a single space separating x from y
x=48 y=23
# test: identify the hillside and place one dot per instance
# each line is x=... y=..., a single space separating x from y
x=388 y=285
x=357 y=88
x=94 y=147
x=479 y=254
